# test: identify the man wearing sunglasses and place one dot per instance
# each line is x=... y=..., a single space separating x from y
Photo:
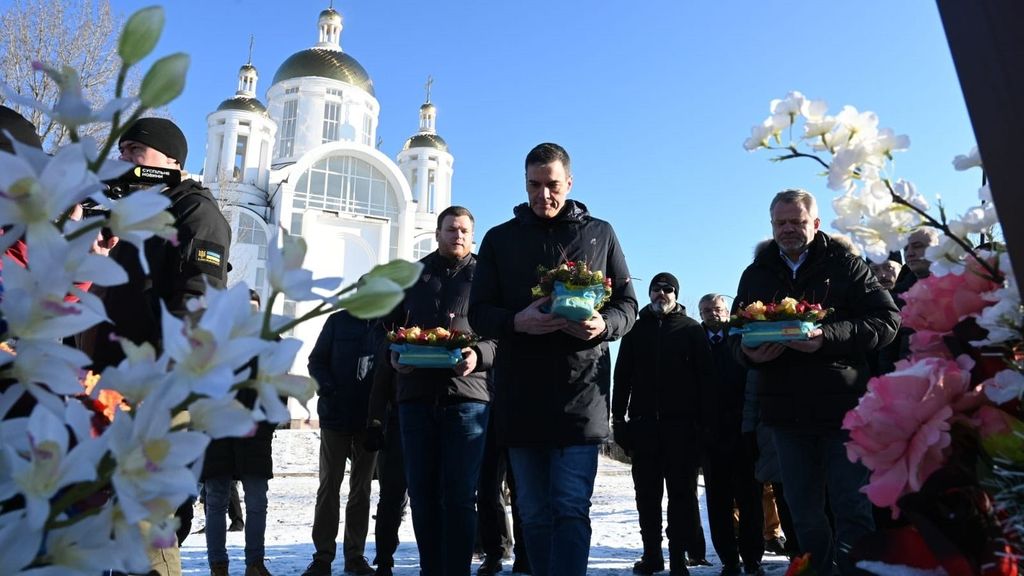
x=662 y=378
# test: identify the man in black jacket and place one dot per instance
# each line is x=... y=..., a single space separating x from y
x=807 y=386
x=663 y=376
x=552 y=375
x=443 y=412
x=176 y=272
x=342 y=364
x=729 y=455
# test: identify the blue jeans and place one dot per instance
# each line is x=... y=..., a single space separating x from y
x=555 y=486
x=810 y=461
x=443 y=447
x=218 y=493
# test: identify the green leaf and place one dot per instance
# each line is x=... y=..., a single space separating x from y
x=165 y=80
x=140 y=34
x=401 y=272
x=374 y=298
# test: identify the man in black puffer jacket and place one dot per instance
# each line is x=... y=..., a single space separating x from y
x=807 y=386
x=342 y=364
x=443 y=412
x=552 y=375
x=663 y=378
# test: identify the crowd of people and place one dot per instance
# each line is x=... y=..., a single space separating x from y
x=530 y=404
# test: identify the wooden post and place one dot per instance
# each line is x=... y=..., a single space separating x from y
x=986 y=38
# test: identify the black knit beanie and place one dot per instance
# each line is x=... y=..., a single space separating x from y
x=159 y=134
x=664 y=278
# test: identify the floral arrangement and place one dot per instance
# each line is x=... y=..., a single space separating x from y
x=785 y=309
x=576 y=291
x=78 y=496
x=440 y=337
x=943 y=434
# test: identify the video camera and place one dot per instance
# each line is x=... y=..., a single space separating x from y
x=135 y=179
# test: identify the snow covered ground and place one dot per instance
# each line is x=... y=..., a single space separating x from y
x=614 y=547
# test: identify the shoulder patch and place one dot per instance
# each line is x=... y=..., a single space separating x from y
x=208 y=257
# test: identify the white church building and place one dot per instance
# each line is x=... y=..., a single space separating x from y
x=307 y=161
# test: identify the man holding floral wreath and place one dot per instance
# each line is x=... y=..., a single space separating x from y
x=809 y=384
x=552 y=375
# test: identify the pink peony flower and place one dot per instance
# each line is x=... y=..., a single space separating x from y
x=937 y=303
x=928 y=344
x=900 y=428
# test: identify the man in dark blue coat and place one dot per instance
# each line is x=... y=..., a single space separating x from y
x=552 y=375
x=342 y=364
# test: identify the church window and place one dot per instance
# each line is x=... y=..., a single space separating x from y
x=240 y=149
x=334 y=92
x=261 y=278
x=422 y=248
x=332 y=114
x=431 y=198
x=296 y=228
x=287 y=145
x=367 y=130
x=292 y=90
x=250 y=231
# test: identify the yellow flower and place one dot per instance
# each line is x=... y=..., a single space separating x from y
x=787 y=306
x=756 y=309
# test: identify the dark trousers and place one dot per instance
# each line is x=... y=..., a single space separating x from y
x=666 y=455
x=443 y=446
x=496 y=539
x=335 y=449
x=393 y=494
x=729 y=478
x=792 y=546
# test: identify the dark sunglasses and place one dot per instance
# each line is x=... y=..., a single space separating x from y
x=663 y=288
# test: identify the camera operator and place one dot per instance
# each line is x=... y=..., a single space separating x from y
x=176 y=273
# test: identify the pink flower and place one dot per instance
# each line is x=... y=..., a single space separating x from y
x=928 y=344
x=900 y=428
x=938 y=302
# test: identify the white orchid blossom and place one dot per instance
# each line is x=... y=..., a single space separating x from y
x=760 y=134
x=285 y=272
x=82 y=549
x=785 y=111
x=140 y=216
x=273 y=380
x=151 y=461
x=47 y=467
x=223 y=417
x=18 y=542
x=1005 y=386
x=35 y=305
x=967 y=161
x=947 y=257
x=853 y=127
x=71 y=109
x=45 y=369
x=139 y=374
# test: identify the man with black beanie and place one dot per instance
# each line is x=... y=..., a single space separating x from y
x=662 y=379
x=176 y=272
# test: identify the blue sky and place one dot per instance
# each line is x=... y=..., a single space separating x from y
x=652 y=99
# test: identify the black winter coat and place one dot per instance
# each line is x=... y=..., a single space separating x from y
x=728 y=392
x=176 y=273
x=814 y=391
x=440 y=298
x=664 y=371
x=552 y=389
x=237 y=457
x=342 y=364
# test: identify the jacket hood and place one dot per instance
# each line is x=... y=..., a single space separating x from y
x=572 y=212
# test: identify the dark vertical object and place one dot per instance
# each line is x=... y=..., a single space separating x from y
x=986 y=38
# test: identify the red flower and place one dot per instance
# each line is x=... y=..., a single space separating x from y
x=800 y=566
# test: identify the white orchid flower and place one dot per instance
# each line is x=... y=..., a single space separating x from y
x=46 y=369
x=785 y=111
x=140 y=216
x=130 y=541
x=855 y=127
x=946 y=257
x=814 y=110
x=1005 y=386
x=888 y=142
x=152 y=462
x=842 y=169
x=760 y=134
x=205 y=355
x=967 y=161
x=285 y=272
x=34 y=303
x=19 y=543
x=84 y=548
x=71 y=109
x=272 y=381
x=1002 y=320
x=223 y=417
x=139 y=374
x=36 y=190
x=47 y=467
x=906 y=190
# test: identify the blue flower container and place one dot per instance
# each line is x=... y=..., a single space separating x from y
x=757 y=333
x=575 y=304
x=421 y=356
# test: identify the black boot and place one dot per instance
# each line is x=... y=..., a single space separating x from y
x=649 y=564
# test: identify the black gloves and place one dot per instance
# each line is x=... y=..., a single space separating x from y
x=374 y=440
x=621 y=435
